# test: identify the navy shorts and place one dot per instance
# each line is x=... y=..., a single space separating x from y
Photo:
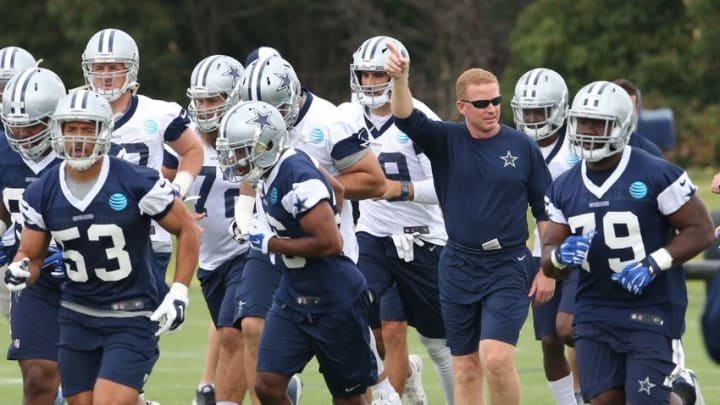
x=612 y=357
x=416 y=281
x=122 y=350
x=391 y=308
x=254 y=296
x=34 y=326
x=483 y=295
x=219 y=289
x=160 y=262
x=545 y=315
x=339 y=340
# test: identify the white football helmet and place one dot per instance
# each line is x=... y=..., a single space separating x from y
x=545 y=89
x=13 y=60
x=29 y=100
x=257 y=129
x=87 y=106
x=216 y=75
x=111 y=46
x=371 y=57
x=273 y=80
x=604 y=101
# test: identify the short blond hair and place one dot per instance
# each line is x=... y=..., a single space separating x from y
x=473 y=76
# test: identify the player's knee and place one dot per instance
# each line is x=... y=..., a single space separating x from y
x=268 y=389
x=498 y=364
x=553 y=347
x=394 y=333
x=230 y=340
x=565 y=331
x=467 y=369
x=252 y=330
x=39 y=379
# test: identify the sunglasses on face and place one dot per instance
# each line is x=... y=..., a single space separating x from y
x=484 y=103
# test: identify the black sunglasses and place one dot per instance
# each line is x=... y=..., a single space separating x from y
x=484 y=103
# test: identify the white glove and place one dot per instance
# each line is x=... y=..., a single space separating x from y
x=17 y=274
x=170 y=315
x=405 y=245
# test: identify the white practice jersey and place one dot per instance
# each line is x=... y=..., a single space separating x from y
x=400 y=159
x=322 y=134
x=559 y=159
x=141 y=131
x=217 y=201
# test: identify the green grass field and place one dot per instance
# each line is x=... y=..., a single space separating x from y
x=176 y=374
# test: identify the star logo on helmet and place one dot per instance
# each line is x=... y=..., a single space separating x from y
x=233 y=72
x=285 y=81
x=262 y=121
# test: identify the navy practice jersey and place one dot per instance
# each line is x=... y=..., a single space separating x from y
x=313 y=285
x=629 y=215
x=16 y=174
x=105 y=236
x=484 y=185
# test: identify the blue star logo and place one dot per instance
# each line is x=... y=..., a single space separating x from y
x=233 y=72
x=262 y=120
x=285 y=82
x=645 y=385
x=300 y=204
x=509 y=159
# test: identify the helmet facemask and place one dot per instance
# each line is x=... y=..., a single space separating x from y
x=27 y=106
x=540 y=103
x=251 y=139
x=33 y=147
x=213 y=78
x=111 y=47
x=610 y=106
x=89 y=143
x=371 y=57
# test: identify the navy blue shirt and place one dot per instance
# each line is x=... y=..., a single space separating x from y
x=484 y=185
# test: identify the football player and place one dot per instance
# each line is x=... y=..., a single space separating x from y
x=316 y=128
x=321 y=305
x=540 y=105
x=28 y=104
x=400 y=236
x=99 y=210
x=110 y=64
x=12 y=60
x=627 y=219
x=214 y=89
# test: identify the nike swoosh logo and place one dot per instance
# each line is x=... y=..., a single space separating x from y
x=521 y=258
x=682 y=183
x=351 y=388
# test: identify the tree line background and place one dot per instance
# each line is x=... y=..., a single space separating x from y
x=669 y=48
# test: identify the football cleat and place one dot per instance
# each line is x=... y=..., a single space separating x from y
x=205 y=395
x=414 y=393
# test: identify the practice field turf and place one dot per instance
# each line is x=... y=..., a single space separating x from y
x=176 y=374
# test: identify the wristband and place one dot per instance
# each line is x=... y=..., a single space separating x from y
x=179 y=289
x=404 y=190
x=183 y=180
x=662 y=258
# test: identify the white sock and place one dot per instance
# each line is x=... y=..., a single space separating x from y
x=226 y=403
x=563 y=391
x=383 y=385
x=442 y=360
